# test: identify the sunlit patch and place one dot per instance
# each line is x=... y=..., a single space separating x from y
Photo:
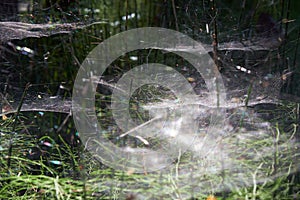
x=243 y=69
x=191 y=79
x=211 y=197
x=6 y=108
x=133 y=58
x=4 y=117
x=24 y=50
x=41 y=113
x=48 y=144
x=130 y=171
x=207 y=28
x=56 y=162
x=142 y=139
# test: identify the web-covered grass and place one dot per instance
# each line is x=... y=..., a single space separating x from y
x=253 y=153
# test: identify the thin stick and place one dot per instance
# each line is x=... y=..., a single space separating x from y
x=282 y=14
x=14 y=126
x=287 y=17
x=64 y=122
x=140 y=126
x=175 y=15
x=242 y=13
x=136 y=14
x=215 y=34
x=296 y=50
x=127 y=13
x=20 y=106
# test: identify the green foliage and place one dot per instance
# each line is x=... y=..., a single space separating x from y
x=49 y=162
